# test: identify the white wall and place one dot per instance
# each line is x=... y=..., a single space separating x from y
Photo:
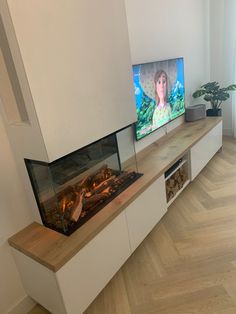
x=223 y=51
x=15 y=214
x=160 y=30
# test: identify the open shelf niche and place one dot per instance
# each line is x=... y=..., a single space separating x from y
x=177 y=178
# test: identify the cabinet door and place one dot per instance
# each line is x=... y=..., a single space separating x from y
x=205 y=149
x=86 y=274
x=145 y=212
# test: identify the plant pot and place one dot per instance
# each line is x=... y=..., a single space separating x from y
x=214 y=112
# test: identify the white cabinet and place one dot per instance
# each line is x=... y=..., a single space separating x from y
x=205 y=149
x=74 y=286
x=145 y=212
x=84 y=276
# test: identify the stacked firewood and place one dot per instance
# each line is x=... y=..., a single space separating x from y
x=175 y=183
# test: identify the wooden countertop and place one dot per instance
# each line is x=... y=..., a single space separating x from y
x=53 y=249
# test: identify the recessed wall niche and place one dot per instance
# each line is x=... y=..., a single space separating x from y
x=10 y=91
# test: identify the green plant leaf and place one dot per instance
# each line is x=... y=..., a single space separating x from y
x=199 y=93
x=214 y=93
x=208 y=97
x=231 y=87
x=211 y=86
x=223 y=96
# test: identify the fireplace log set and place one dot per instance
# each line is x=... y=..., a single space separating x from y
x=175 y=183
x=77 y=201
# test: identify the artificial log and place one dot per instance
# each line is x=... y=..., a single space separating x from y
x=78 y=200
x=175 y=183
x=78 y=206
x=103 y=185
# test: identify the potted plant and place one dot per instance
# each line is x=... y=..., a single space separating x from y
x=215 y=94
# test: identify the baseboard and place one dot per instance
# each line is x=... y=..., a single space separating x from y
x=23 y=306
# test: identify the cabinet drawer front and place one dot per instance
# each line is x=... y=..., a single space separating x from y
x=87 y=273
x=145 y=212
x=205 y=149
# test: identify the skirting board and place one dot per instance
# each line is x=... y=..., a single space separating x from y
x=23 y=306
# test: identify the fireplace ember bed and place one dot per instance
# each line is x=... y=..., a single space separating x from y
x=71 y=190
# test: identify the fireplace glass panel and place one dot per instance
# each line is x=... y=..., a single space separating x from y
x=72 y=189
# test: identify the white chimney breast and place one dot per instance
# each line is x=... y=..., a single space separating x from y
x=76 y=59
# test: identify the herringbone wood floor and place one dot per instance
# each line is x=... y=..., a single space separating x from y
x=187 y=264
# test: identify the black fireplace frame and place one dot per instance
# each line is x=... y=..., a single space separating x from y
x=82 y=220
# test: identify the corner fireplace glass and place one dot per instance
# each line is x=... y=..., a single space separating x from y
x=72 y=189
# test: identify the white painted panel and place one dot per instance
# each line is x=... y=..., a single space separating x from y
x=40 y=283
x=145 y=212
x=77 y=61
x=205 y=149
x=87 y=273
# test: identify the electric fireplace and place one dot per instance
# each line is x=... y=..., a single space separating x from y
x=72 y=189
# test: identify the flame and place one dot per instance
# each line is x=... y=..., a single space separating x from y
x=63 y=205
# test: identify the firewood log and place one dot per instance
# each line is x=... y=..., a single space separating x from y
x=171 y=182
x=78 y=206
x=83 y=184
x=102 y=174
x=103 y=185
x=93 y=200
x=179 y=179
x=171 y=195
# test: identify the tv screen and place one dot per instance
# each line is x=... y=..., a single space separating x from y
x=159 y=94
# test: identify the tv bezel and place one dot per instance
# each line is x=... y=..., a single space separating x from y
x=135 y=124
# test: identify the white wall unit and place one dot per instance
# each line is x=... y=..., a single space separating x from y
x=205 y=149
x=78 y=282
x=71 y=288
x=85 y=275
x=145 y=212
x=40 y=283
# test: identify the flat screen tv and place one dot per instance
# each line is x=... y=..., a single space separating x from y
x=159 y=94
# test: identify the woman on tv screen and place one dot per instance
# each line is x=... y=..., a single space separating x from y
x=159 y=94
x=162 y=112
